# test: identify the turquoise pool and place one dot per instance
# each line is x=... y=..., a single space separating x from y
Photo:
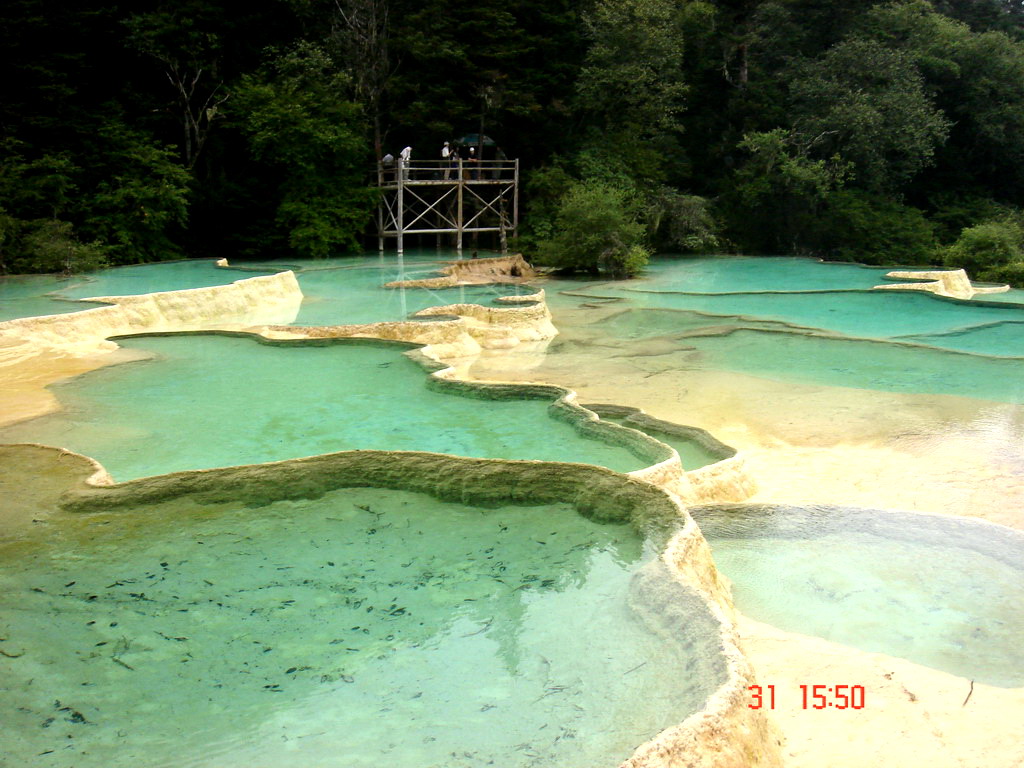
x=731 y=274
x=213 y=400
x=354 y=294
x=807 y=294
x=336 y=291
x=365 y=627
x=865 y=314
x=28 y=295
x=693 y=454
x=943 y=592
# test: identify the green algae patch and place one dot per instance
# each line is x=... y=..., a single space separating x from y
x=595 y=492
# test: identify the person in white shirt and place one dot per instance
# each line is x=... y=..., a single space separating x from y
x=446 y=155
x=403 y=161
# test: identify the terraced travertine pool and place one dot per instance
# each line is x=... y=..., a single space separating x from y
x=943 y=592
x=791 y=357
x=339 y=291
x=803 y=356
x=849 y=307
x=213 y=401
x=354 y=294
x=28 y=295
x=363 y=626
x=838 y=394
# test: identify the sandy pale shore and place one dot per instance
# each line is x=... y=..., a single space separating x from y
x=913 y=717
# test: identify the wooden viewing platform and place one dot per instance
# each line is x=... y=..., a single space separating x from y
x=434 y=197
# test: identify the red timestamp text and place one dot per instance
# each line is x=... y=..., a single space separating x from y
x=811 y=696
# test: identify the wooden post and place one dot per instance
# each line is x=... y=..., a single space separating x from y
x=401 y=204
x=458 y=213
x=515 y=199
x=401 y=276
x=502 y=224
x=380 y=208
x=502 y=233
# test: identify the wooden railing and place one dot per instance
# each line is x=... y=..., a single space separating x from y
x=419 y=171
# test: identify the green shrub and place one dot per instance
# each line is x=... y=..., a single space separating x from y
x=857 y=226
x=987 y=250
x=681 y=222
x=51 y=246
x=597 y=229
x=543 y=189
x=1012 y=273
x=629 y=263
x=954 y=212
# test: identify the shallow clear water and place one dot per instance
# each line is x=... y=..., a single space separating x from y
x=414 y=264
x=860 y=364
x=30 y=295
x=33 y=306
x=729 y=274
x=948 y=594
x=209 y=400
x=337 y=291
x=150 y=278
x=664 y=341
x=871 y=314
x=1013 y=296
x=355 y=294
x=651 y=323
x=363 y=628
x=806 y=293
x=26 y=296
x=692 y=454
x=999 y=339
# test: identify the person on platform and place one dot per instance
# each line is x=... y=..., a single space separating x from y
x=403 y=162
x=387 y=164
x=446 y=160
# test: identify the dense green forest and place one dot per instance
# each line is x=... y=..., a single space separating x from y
x=887 y=132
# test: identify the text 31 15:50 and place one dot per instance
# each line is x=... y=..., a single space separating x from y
x=812 y=696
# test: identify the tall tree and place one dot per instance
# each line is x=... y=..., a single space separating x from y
x=181 y=37
x=630 y=90
x=977 y=80
x=298 y=120
x=512 y=66
x=781 y=189
x=361 y=34
x=868 y=103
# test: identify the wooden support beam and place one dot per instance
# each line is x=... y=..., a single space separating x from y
x=458 y=217
x=431 y=197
